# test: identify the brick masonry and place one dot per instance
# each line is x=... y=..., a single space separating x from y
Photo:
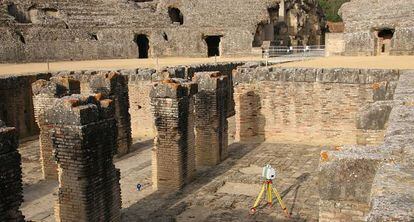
x=114 y=86
x=11 y=188
x=173 y=162
x=84 y=138
x=312 y=106
x=45 y=93
x=16 y=106
x=211 y=125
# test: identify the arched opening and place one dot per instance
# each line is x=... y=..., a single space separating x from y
x=142 y=42
x=384 y=37
x=176 y=16
x=213 y=45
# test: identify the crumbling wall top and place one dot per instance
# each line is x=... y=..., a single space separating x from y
x=80 y=110
x=173 y=88
x=57 y=86
x=209 y=80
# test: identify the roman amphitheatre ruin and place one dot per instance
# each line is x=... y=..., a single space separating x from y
x=167 y=110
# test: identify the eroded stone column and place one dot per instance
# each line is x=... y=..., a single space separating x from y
x=114 y=86
x=173 y=154
x=84 y=138
x=11 y=188
x=45 y=93
x=211 y=124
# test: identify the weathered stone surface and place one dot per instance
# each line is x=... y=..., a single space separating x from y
x=79 y=30
x=11 y=187
x=83 y=131
x=386 y=173
x=374 y=116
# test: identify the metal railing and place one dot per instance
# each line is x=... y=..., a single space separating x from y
x=294 y=51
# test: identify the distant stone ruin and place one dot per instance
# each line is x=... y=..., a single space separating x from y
x=378 y=27
x=94 y=29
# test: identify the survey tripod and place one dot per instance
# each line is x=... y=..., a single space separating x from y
x=269 y=190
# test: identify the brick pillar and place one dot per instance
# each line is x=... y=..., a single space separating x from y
x=115 y=87
x=211 y=124
x=11 y=188
x=45 y=93
x=84 y=138
x=173 y=153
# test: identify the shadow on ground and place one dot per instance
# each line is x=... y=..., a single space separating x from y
x=166 y=206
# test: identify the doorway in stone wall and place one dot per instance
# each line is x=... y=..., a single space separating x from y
x=142 y=42
x=213 y=45
x=383 y=41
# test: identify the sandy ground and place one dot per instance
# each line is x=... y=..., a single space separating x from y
x=383 y=62
x=126 y=64
x=112 y=64
x=379 y=62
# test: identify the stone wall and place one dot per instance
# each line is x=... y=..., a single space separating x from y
x=211 y=124
x=373 y=183
x=301 y=105
x=45 y=94
x=11 y=187
x=363 y=21
x=173 y=161
x=334 y=44
x=84 y=138
x=78 y=30
x=16 y=106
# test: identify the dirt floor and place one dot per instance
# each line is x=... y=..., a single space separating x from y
x=367 y=62
x=221 y=193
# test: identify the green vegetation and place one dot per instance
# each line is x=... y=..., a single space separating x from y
x=330 y=8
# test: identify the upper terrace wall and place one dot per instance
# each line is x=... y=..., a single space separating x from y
x=94 y=29
x=311 y=106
